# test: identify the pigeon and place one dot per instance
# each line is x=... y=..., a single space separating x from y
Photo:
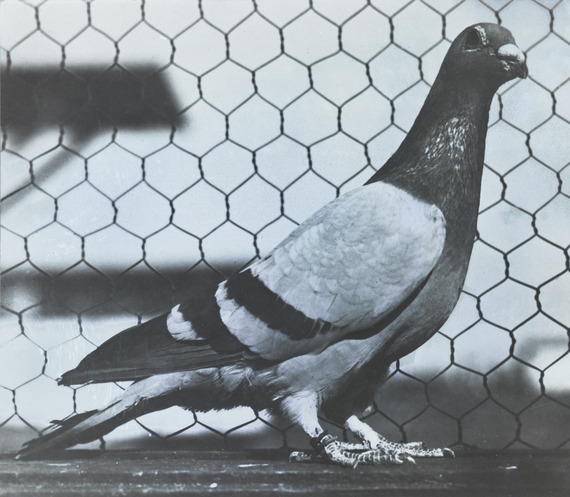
x=314 y=327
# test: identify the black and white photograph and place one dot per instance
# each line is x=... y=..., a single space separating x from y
x=285 y=247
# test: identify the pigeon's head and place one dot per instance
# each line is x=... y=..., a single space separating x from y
x=486 y=52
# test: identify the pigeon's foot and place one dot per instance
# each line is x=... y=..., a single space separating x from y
x=328 y=448
x=400 y=453
x=413 y=449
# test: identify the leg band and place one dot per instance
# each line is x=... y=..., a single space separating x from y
x=320 y=442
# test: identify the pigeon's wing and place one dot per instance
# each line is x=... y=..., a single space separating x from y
x=346 y=268
x=153 y=348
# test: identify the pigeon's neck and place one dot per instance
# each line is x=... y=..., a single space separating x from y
x=441 y=159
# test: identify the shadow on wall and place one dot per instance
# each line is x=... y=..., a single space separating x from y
x=82 y=103
x=85 y=101
x=138 y=290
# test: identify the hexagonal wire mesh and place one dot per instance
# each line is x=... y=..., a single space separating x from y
x=149 y=144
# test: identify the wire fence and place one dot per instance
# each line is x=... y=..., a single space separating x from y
x=147 y=145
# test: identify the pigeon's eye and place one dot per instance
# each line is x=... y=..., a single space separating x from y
x=473 y=40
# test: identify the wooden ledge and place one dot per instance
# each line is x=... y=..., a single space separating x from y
x=268 y=472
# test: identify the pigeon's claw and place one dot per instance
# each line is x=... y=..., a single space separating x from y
x=396 y=453
x=377 y=456
x=448 y=453
x=335 y=452
x=379 y=446
x=414 y=445
x=328 y=449
x=301 y=456
x=411 y=449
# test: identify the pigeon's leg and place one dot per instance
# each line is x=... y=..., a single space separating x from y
x=302 y=409
x=382 y=450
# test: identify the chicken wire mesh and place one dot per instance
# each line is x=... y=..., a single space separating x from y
x=149 y=144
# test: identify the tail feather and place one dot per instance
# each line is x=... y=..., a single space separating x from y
x=78 y=428
x=141 y=398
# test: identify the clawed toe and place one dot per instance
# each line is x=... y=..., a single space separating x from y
x=448 y=453
x=328 y=448
x=413 y=449
x=301 y=456
x=414 y=445
x=406 y=458
x=416 y=452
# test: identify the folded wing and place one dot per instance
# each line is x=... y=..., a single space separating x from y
x=342 y=271
x=351 y=264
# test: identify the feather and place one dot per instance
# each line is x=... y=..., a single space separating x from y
x=150 y=349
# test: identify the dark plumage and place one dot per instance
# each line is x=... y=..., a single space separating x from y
x=316 y=324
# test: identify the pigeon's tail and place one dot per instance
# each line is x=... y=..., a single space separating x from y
x=86 y=427
x=78 y=428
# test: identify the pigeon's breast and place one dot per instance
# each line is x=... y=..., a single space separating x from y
x=433 y=305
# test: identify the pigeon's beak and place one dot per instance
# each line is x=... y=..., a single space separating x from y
x=514 y=60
